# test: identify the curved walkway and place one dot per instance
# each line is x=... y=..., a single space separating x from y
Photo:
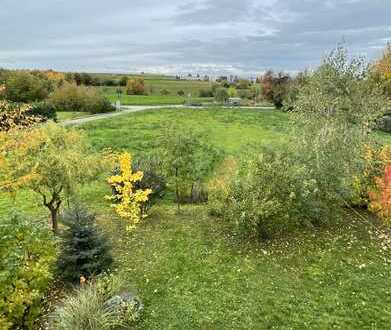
x=124 y=110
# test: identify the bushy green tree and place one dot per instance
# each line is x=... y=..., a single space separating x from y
x=310 y=183
x=22 y=86
x=85 y=250
x=49 y=160
x=221 y=95
x=275 y=87
x=70 y=97
x=186 y=159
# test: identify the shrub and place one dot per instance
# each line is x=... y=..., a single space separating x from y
x=27 y=254
x=205 y=93
x=25 y=87
x=43 y=109
x=70 y=97
x=85 y=251
x=244 y=94
x=380 y=197
x=164 y=92
x=181 y=93
x=221 y=95
x=104 y=305
x=152 y=179
x=135 y=86
x=272 y=196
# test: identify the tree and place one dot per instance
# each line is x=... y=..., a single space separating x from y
x=49 y=160
x=232 y=92
x=70 y=97
x=123 y=81
x=221 y=95
x=22 y=86
x=128 y=200
x=85 y=250
x=135 y=86
x=186 y=160
x=243 y=84
x=274 y=87
x=381 y=71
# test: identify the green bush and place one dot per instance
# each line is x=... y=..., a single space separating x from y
x=104 y=305
x=25 y=87
x=205 y=93
x=27 y=254
x=164 y=92
x=272 y=196
x=153 y=178
x=74 y=98
x=181 y=93
x=85 y=251
x=221 y=95
x=43 y=109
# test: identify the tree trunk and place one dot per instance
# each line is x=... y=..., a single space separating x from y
x=54 y=218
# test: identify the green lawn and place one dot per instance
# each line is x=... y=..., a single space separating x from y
x=193 y=273
x=229 y=129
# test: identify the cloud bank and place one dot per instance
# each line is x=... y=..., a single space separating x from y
x=219 y=36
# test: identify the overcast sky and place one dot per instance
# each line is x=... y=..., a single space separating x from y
x=169 y=36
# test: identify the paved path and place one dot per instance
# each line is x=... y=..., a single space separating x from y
x=135 y=108
x=124 y=110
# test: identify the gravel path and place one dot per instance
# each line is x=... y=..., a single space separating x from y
x=124 y=110
x=136 y=108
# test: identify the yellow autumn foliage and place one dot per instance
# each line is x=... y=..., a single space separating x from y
x=128 y=199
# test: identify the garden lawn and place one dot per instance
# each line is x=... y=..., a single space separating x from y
x=230 y=130
x=192 y=272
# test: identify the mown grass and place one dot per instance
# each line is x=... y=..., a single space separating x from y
x=61 y=115
x=192 y=272
x=228 y=129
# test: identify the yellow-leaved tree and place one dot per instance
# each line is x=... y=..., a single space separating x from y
x=49 y=160
x=127 y=198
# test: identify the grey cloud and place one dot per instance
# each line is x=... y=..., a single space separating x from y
x=225 y=35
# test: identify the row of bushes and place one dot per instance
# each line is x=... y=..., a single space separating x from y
x=50 y=94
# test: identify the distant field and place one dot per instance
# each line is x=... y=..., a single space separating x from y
x=154 y=87
x=152 y=99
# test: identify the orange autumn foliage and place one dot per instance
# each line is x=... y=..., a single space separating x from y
x=380 y=199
